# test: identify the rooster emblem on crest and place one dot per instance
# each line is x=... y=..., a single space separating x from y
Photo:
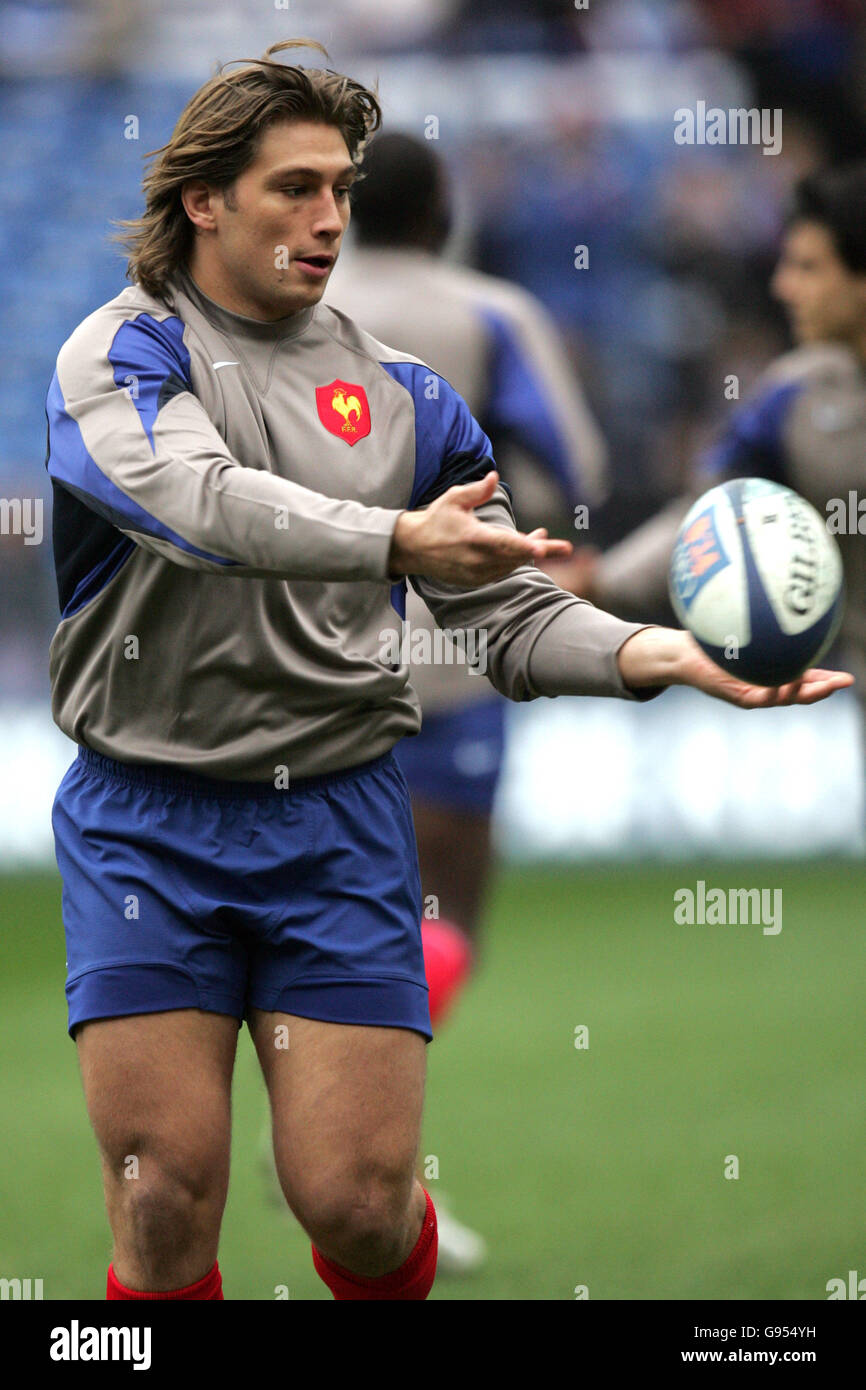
x=347 y=406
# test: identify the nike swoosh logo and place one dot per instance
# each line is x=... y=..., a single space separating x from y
x=217 y=365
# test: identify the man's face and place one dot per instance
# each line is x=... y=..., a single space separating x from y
x=825 y=301
x=290 y=205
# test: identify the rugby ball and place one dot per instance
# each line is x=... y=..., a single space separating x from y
x=756 y=577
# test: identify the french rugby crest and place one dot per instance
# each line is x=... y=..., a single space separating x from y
x=344 y=410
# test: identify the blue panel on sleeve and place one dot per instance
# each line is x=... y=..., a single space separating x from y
x=150 y=360
x=398 y=598
x=70 y=463
x=450 y=445
x=518 y=404
x=753 y=444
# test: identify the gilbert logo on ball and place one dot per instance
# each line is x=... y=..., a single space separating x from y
x=756 y=578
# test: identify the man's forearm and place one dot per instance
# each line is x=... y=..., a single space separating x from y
x=653 y=656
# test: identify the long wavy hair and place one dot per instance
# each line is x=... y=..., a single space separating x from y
x=216 y=139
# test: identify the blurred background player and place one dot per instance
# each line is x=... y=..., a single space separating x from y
x=502 y=352
x=804 y=425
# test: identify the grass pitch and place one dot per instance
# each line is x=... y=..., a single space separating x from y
x=600 y=1166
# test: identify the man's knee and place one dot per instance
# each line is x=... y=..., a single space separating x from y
x=157 y=1205
x=361 y=1221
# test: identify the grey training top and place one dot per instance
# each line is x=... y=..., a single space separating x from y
x=225 y=496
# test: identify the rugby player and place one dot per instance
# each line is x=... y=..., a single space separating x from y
x=243 y=480
x=501 y=351
x=804 y=425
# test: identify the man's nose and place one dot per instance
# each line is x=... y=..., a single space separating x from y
x=327 y=217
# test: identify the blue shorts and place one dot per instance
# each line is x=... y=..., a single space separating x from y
x=180 y=891
x=456 y=759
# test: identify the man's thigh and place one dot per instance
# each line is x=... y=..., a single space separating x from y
x=158 y=1087
x=346 y=1102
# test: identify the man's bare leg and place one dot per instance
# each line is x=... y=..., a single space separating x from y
x=346 y=1105
x=158 y=1092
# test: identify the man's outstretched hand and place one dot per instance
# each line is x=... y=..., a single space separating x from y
x=668 y=656
x=447 y=541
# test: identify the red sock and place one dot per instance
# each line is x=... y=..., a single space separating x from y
x=210 y=1287
x=413 y=1280
x=447 y=963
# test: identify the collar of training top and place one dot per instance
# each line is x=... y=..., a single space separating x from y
x=228 y=322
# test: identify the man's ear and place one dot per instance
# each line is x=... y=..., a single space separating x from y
x=198 y=202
